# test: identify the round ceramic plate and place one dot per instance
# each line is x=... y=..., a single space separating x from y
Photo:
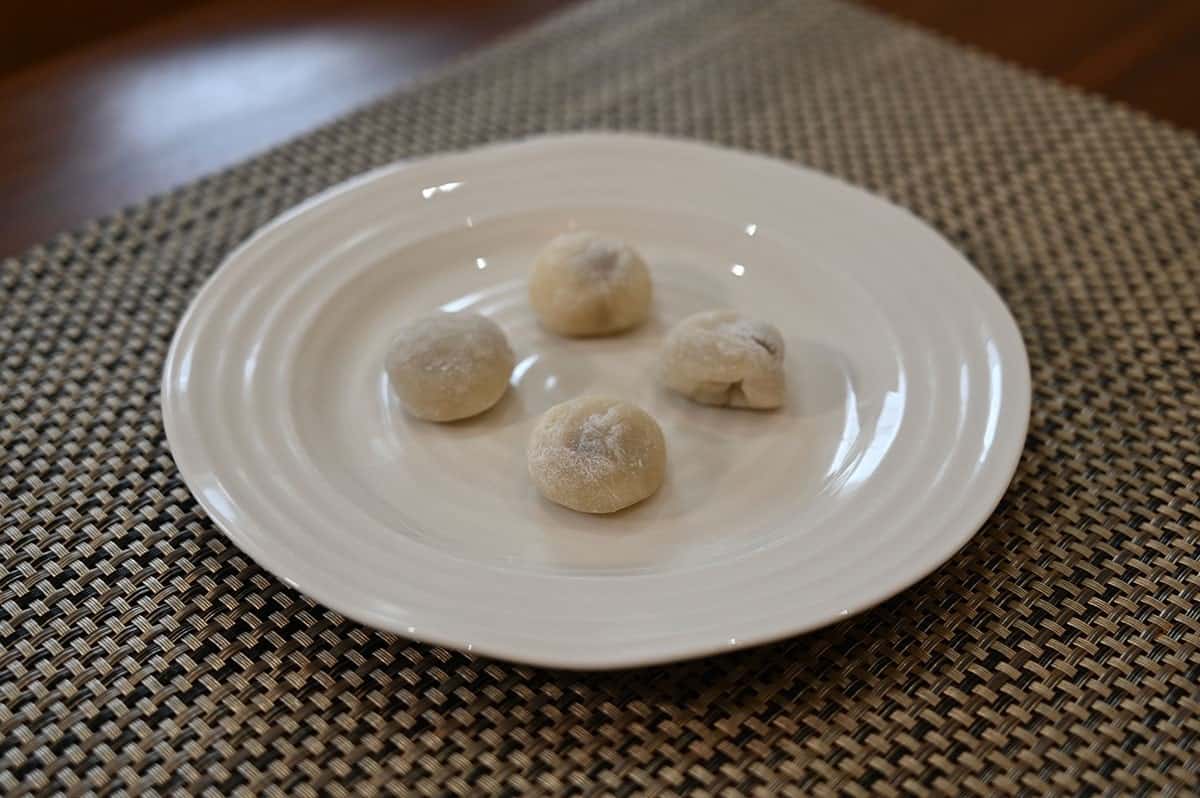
x=909 y=399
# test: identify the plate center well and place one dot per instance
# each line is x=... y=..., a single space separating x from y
x=737 y=480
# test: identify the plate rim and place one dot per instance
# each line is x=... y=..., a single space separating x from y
x=1016 y=391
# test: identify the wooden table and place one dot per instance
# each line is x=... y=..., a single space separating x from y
x=105 y=105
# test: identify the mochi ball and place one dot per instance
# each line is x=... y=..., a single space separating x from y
x=597 y=455
x=720 y=357
x=449 y=366
x=584 y=284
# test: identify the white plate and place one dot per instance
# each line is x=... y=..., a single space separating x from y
x=909 y=401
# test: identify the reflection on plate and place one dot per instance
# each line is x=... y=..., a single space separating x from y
x=909 y=396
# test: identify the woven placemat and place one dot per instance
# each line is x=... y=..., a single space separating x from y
x=1057 y=653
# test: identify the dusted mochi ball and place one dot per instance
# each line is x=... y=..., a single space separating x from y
x=719 y=357
x=449 y=366
x=597 y=455
x=584 y=284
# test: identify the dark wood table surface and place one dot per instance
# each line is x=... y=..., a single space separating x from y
x=104 y=104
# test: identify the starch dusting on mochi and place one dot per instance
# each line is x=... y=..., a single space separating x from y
x=721 y=358
x=596 y=455
x=449 y=366
x=584 y=284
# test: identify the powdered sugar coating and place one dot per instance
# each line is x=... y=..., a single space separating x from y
x=585 y=284
x=719 y=357
x=597 y=455
x=449 y=366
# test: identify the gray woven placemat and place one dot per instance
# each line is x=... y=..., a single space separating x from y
x=1057 y=653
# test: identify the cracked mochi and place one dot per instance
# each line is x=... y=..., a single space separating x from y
x=719 y=357
x=449 y=366
x=584 y=284
x=597 y=455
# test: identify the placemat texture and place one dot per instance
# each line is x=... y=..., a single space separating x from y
x=1057 y=653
